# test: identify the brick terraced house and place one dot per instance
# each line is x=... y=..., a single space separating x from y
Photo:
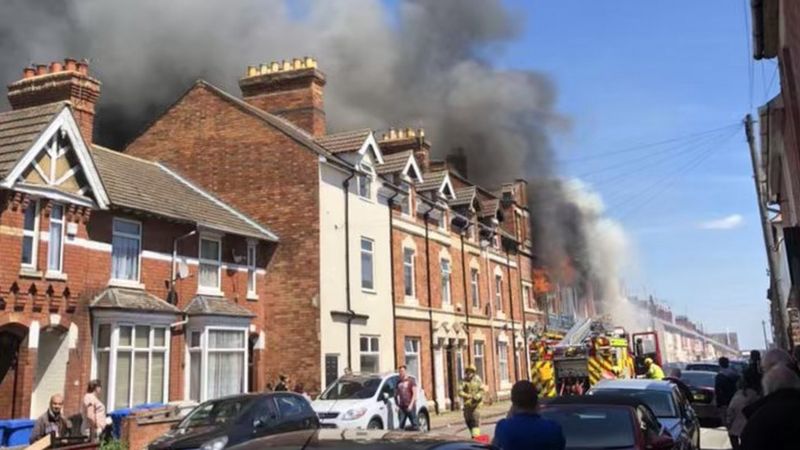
x=116 y=267
x=369 y=273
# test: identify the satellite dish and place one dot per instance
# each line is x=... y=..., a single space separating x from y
x=183 y=270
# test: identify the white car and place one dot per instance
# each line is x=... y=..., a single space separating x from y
x=366 y=401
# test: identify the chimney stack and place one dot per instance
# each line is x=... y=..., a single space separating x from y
x=59 y=82
x=400 y=139
x=290 y=89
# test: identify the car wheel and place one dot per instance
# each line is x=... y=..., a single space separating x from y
x=375 y=424
x=424 y=421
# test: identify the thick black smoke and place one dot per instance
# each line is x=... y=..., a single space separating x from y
x=414 y=63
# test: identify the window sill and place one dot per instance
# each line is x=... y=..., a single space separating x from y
x=533 y=311
x=59 y=276
x=411 y=301
x=125 y=284
x=252 y=297
x=500 y=315
x=30 y=273
x=448 y=307
x=366 y=199
x=369 y=291
x=478 y=311
x=210 y=292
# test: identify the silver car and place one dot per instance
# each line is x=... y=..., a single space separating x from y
x=673 y=410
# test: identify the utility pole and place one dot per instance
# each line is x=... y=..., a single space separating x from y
x=759 y=177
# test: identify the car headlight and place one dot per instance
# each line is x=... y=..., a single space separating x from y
x=353 y=414
x=215 y=444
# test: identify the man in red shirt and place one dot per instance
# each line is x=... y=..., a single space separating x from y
x=406 y=399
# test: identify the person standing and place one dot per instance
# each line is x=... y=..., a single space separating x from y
x=93 y=412
x=654 y=371
x=299 y=388
x=282 y=384
x=406 y=399
x=725 y=387
x=748 y=393
x=51 y=421
x=524 y=428
x=471 y=394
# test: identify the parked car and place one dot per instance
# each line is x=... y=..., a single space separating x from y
x=366 y=401
x=670 y=407
x=704 y=366
x=363 y=440
x=606 y=422
x=227 y=421
x=701 y=383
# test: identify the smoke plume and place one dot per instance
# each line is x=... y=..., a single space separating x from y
x=412 y=63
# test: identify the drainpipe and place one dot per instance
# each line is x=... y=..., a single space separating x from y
x=350 y=316
x=391 y=277
x=430 y=306
x=526 y=348
x=511 y=307
x=489 y=290
x=467 y=301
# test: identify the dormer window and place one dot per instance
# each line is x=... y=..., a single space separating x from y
x=364 y=182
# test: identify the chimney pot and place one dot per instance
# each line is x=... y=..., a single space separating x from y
x=421 y=132
x=263 y=69
x=28 y=72
x=274 y=66
x=297 y=63
x=251 y=71
x=41 y=69
x=83 y=67
x=56 y=67
x=70 y=65
x=392 y=133
x=310 y=63
x=286 y=65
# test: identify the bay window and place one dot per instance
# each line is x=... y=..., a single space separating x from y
x=30 y=235
x=55 y=252
x=131 y=362
x=217 y=362
x=126 y=246
x=210 y=264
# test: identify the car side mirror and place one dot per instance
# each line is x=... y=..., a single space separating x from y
x=662 y=442
x=385 y=396
x=260 y=422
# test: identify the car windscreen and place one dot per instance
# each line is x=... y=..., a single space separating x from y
x=352 y=388
x=216 y=412
x=705 y=367
x=698 y=379
x=659 y=401
x=593 y=427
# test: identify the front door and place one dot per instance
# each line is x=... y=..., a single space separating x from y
x=51 y=368
x=9 y=376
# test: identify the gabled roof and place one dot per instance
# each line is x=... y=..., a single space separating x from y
x=147 y=186
x=216 y=306
x=489 y=207
x=19 y=129
x=344 y=142
x=400 y=162
x=437 y=181
x=131 y=300
x=464 y=196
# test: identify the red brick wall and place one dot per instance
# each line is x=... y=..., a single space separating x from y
x=275 y=180
x=789 y=58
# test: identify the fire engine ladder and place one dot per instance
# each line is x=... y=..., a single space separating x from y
x=577 y=334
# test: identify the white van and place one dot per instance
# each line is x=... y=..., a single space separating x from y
x=366 y=401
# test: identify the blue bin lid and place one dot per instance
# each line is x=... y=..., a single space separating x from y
x=14 y=424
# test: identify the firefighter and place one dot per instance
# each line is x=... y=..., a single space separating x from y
x=471 y=394
x=654 y=372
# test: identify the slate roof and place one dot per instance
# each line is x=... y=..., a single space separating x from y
x=464 y=196
x=432 y=181
x=131 y=300
x=394 y=162
x=344 y=142
x=216 y=306
x=489 y=207
x=18 y=130
x=147 y=186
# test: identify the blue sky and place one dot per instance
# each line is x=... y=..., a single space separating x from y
x=631 y=73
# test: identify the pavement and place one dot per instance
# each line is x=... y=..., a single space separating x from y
x=453 y=422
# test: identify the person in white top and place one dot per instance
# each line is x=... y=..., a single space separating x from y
x=93 y=412
x=747 y=394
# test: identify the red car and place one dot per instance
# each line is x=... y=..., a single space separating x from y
x=609 y=421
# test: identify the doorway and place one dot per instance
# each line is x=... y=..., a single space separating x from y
x=11 y=339
x=51 y=368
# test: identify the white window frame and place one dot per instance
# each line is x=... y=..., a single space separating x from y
x=252 y=270
x=371 y=351
x=406 y=206
x=61 y=222
x=33 y=234
x=364 y=182
x=123 y=281
x=205 y=330
x=446 y=274
x=479 y=358
x=411 y=266
x=502 y=362
x=443 y=222
x=527 y=297
x=498 y=293
x=113 y=350
x=475 y=292
x=459 y=364
x=413 y=351
x=209 y=290
x=371 y=254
